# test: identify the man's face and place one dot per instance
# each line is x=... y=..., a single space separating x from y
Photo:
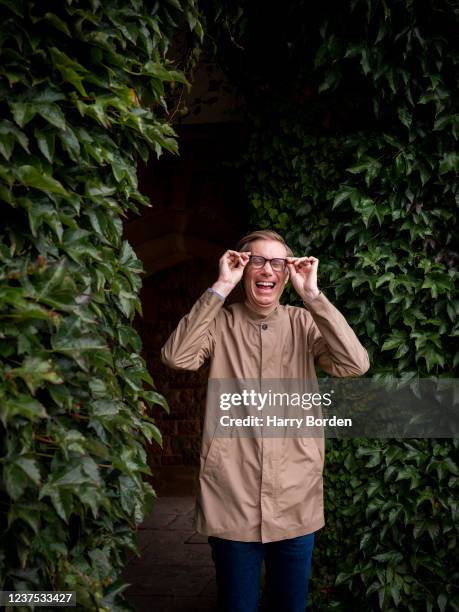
x=264 y=286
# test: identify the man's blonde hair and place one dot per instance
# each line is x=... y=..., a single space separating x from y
x=244 y=243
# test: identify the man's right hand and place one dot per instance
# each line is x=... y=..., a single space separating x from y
x=231 y=269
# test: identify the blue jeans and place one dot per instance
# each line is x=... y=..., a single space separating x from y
x=238 y=570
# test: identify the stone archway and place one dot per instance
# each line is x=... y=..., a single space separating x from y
x=198 y=212
x=167 y=237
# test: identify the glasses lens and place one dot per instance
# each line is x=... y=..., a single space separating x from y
x=257 y=261
x=278 y=264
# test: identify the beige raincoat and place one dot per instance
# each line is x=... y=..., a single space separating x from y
x=262 y=489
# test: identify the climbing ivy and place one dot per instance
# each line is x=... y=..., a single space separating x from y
x=352 y=118
x=83 y=95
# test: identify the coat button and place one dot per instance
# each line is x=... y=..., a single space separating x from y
x=264 y=326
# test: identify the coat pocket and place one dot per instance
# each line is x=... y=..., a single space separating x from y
x=212 y=461
x=298 y=482
x=312 y=455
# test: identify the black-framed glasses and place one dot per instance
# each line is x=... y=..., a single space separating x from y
x=277 y=264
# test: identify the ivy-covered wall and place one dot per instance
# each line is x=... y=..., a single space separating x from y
x=83 y=87
x=353 y=120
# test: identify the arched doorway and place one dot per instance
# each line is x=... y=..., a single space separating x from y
x=198 y=211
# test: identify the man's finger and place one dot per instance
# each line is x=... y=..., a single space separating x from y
x=307 y=262
x=238 y=253
x=304 y=263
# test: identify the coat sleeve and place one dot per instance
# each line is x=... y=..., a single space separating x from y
x=193 y=340
x=336 y=348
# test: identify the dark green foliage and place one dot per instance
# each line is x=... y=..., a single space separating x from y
x=82 y=95
x=353 y=159
x=391 y=538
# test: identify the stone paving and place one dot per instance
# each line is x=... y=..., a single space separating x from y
x=175 y=571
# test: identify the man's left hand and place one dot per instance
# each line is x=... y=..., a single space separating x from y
x=303 y=274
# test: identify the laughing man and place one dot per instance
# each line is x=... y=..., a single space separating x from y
x=260 y=498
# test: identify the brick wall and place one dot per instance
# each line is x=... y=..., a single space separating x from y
x=166 y=297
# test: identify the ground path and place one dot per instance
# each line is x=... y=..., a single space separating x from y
x=175 y=571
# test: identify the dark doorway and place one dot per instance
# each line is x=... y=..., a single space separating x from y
x=198 y=211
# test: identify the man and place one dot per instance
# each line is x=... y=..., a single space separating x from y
x=260 y=497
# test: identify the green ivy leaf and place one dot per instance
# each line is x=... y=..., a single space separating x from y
x=46 y=143
x=29 y=467
x=35 y=371
x=21 y=405
x=31 y=177
x=52 y=113
x=23 y=112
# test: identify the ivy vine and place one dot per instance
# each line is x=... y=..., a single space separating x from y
x=83 y=89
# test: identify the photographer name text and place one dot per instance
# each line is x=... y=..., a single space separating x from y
x=274 y=421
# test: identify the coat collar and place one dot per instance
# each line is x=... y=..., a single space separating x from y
x=260 y=318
